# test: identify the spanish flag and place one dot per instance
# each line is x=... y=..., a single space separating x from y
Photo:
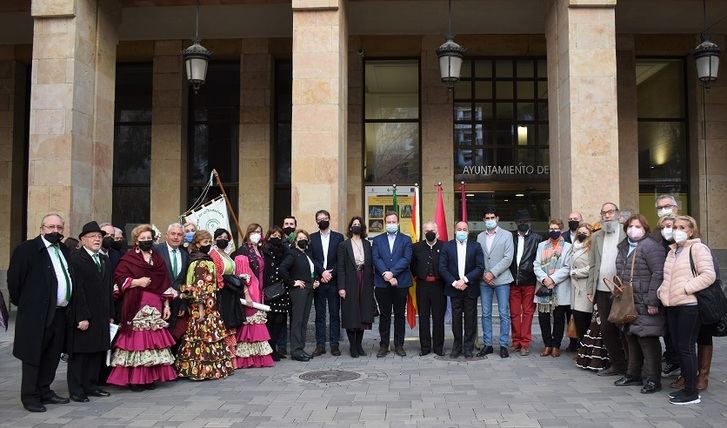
x=411 y=301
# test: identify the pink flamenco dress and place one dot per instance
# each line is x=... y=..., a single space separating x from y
x=142 y=354
x=253 y=349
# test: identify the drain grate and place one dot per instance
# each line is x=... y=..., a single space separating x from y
x=329 y=376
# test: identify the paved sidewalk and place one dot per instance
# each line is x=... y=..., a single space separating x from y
x=391 y=392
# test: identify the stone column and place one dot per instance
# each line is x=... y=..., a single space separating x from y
x=355 y=148
x=72 y=93
x=628 y=126
x=437 y=126
x=12 y=156
x=320 y=88
x=583 y=116
x=256 y=87
x=168 y=185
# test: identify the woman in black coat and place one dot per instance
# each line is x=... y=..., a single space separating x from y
x=274 y=252
x=301 y=275
x=640 y=261
x=355 y=271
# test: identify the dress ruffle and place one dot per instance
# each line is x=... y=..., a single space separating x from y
x=143 y=340
x=201 y=370
x=253 y=333
x=148 y=318
x=123 y=376
x=145 y=358
x=254 y=361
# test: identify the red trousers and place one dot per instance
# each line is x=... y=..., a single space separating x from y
x=522 y=309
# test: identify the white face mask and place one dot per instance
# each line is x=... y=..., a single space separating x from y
x=255 y=238
x=661 y=212
x=667 y=233
x=635 y=233
x=680 y=236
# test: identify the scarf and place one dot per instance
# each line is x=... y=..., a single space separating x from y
x=548 y=262
x=132 y=265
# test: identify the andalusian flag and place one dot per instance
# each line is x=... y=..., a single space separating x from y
x=411 y=301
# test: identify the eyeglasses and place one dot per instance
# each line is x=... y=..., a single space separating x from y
x=609 y=212
x=54 y=227
x=666 y=206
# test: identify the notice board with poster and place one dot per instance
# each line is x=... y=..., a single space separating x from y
x=378 y=200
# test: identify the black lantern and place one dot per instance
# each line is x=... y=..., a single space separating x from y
x=450 y=56
x=706 y=56
x=196 y=58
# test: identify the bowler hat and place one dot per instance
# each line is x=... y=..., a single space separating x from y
x=522 y=215
x=91 y=227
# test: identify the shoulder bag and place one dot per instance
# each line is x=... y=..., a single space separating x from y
x=712 y=301
x=623 y=309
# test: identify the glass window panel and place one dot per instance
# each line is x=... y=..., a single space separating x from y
x=132 y=154
x=526 y=157
x=130 y=206
x=463 y=135
x=462 y=90
x=525 y=134
x=282 y=153
x=392 y=152
x=462 y=112
x=662 y=151
x=525 y=68
x=503 y=68
x=502 y=138
x=542 y=69
x=483 y=68
x=483 y=89
x=466 y=70
x=392 y=89
x=542 y=89
x=504 y=110
x=526 y=90
x=472 y=157
x=542 y=112
x=544 y=156
x=660 y=88
x=484 y=111
x=479 y=135
x=504 y=90
x=526 y=111
x=504 y=157
x=543 y=135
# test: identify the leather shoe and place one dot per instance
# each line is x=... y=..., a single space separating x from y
x=400 y=351
x=439 y=353
x=383 y=351
x=55 y=399
x=515 y=348
x=454 y=354
x=79 y=398
x=300 y=357
x=524 y=352
x=320 y=350
x=423 y=353
x=276 y=356
x=335 y=351
x=99 y=393
x=34 y=407
x=651 y=387
x=469 y=355
x=611 y=371
x=628 y=381
x=486 y=350
x=547 y=351
x=503 y=352
x=555 y=353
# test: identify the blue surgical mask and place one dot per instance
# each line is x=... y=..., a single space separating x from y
x=461 y=235
x=188 y=237
x=392 y=228
x=490 y=224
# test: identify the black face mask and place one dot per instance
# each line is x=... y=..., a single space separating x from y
x=573 y=225
x=107 y=243
x=356 y=229
x=430 y=235
x=119 y=245
x=581 y=237
x=54 y=237
x=222 y=243
x=523 y=227
x=146 y=245
x=303 y=244
x=554 y=234
x=288 y=230
x=323 y=224
x=205 y=249
x=275 y=241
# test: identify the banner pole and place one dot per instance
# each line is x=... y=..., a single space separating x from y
x=227 y=201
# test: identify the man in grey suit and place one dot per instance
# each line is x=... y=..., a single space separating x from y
x=177 y=261
x=498 y=248
x=603 y=265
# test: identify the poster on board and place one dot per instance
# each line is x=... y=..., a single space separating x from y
x=379 y=200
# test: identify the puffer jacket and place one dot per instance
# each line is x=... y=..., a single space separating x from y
x=679 y=284
x=648 y=275
x=579 y=268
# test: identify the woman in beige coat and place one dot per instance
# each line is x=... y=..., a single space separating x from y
x=677 y=294
x=581 y=303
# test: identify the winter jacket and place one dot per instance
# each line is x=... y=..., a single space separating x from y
x=579 y=268
x=679 y=284
x=648 y=275
x=523 y=273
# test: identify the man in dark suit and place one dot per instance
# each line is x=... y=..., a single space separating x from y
x=461 y=264
x=431 y=301
x=290 y=224
x=89 y=315
x=324 y=248
x=574 y=220
x=177 y=261
x=110 y=247
x=40 y=284
x=522 y=291
x=391 y=252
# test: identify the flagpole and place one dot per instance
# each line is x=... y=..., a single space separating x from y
x=227 y=201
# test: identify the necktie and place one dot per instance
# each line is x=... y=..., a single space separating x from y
x=175 y=268
x=98 y=263
x=65 y=273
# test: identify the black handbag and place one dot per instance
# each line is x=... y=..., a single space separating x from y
x=234 y=282
x=274 y=291
x=712 y=300
x=543 y=291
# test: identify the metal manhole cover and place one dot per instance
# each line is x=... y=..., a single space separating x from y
x=329 y=376
x=460 y=359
